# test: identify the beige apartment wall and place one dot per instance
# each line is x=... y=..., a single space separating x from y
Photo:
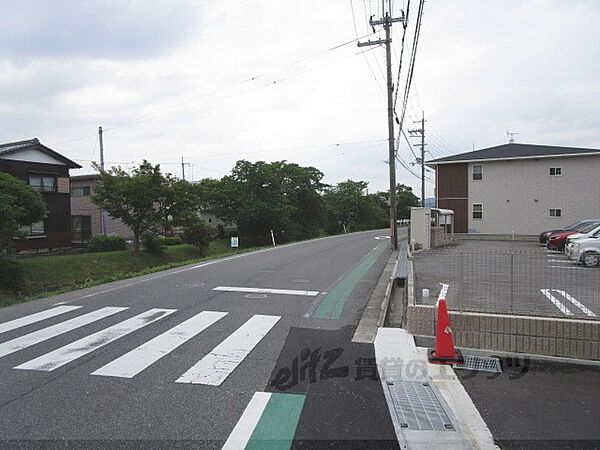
x=83 y=206
x=518 y=194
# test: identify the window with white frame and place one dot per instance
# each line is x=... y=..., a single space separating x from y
x=555 y=171
x=477 y=172
x=555 y=212
x=477 y=211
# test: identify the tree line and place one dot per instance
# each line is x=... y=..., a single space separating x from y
x=290 y=200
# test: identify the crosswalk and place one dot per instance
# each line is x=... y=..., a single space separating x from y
x=211 y=369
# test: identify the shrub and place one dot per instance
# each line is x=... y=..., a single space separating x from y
x=198 y=233
x=175 y=240
x=152 y=243
x=103 y=243
x=12 y=277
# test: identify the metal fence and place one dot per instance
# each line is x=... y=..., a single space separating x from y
x=513 y=280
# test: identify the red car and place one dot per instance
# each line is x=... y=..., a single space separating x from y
x=558 y=239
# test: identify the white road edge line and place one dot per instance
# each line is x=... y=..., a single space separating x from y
x=267 y=291
x=242 y=431
x=215 y=367
x=33 y=318
x=575 y=302
x=556 y=302
x=142 y=357
x=64 y=355
x=27 y=340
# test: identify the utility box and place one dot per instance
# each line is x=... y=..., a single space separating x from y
x=420 y=228
x=431 y=227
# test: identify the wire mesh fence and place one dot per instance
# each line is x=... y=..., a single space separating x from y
x=508 y=279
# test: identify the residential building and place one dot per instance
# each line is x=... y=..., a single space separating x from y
x=86 y=217
x=48 y=172
x=519 y=189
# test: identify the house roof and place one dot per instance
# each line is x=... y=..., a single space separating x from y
x=14 y=147
x=89 y=176
x=514 y=151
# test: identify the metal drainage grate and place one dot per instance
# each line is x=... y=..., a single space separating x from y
x=480 y=363
x=418 y=407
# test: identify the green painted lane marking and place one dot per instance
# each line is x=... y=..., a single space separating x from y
x=332 y=305
x=277 y=425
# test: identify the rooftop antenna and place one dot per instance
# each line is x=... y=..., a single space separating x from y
x=511 y=137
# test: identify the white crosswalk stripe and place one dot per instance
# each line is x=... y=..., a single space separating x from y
x=14 y=345
x=132 y=363
x=33 y=318
x=215 y=367
x=64 y=355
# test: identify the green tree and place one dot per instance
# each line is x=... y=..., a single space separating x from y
x=147 y=201
x=405 y=198
x=20 y=205
x=259 y=197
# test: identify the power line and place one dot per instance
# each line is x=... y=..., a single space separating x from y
x=176 y=107
x=412 y=61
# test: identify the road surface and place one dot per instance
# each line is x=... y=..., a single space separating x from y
x=248 y=351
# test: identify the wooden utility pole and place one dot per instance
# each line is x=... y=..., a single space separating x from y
x=101 y=141
x=386 y=21
x=182 y=169
x=101 y=148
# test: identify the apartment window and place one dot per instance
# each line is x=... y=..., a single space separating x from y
x=555 y=171
x=477 y=211
x=43 y=183
x=477 y=172
x=555 y=212
x=82 y=228
x=80 y=191
x=34 y=230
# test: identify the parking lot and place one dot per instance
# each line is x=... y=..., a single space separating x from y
x=507 y=277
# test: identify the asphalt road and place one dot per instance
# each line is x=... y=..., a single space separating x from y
x=165 y=360
x=539 y=405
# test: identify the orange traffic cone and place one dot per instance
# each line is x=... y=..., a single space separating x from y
x=444 y=352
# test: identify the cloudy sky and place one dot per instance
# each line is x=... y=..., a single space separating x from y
x=215 y=82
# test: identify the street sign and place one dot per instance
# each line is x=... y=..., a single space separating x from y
x=235 y=242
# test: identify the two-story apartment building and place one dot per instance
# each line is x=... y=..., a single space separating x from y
x=87 y=218
x=48 y=172
x=519 y=189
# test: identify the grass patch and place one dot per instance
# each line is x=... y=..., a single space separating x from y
x=49 y=275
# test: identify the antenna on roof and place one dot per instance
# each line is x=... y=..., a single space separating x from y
x=511 y=137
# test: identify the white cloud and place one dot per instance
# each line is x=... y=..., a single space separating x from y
x=481 y=68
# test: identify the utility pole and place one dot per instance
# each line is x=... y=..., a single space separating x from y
x=386 y=21
x=101 y=148
x=182 y=169
x=102 y=220
x=415 y=133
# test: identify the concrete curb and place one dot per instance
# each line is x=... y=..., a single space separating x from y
x=396 y=353
x=376 y=310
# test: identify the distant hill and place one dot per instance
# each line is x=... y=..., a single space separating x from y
x=430 y=202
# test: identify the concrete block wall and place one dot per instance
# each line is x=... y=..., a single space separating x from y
x=569 y=338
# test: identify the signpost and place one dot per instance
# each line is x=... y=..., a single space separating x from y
x=235 y=242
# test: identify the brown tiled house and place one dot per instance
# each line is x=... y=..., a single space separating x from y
x=48 y=172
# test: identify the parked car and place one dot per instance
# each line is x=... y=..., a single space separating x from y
x=589 y=232
x=545 y=234
x=587 y=252
x=557 y=240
